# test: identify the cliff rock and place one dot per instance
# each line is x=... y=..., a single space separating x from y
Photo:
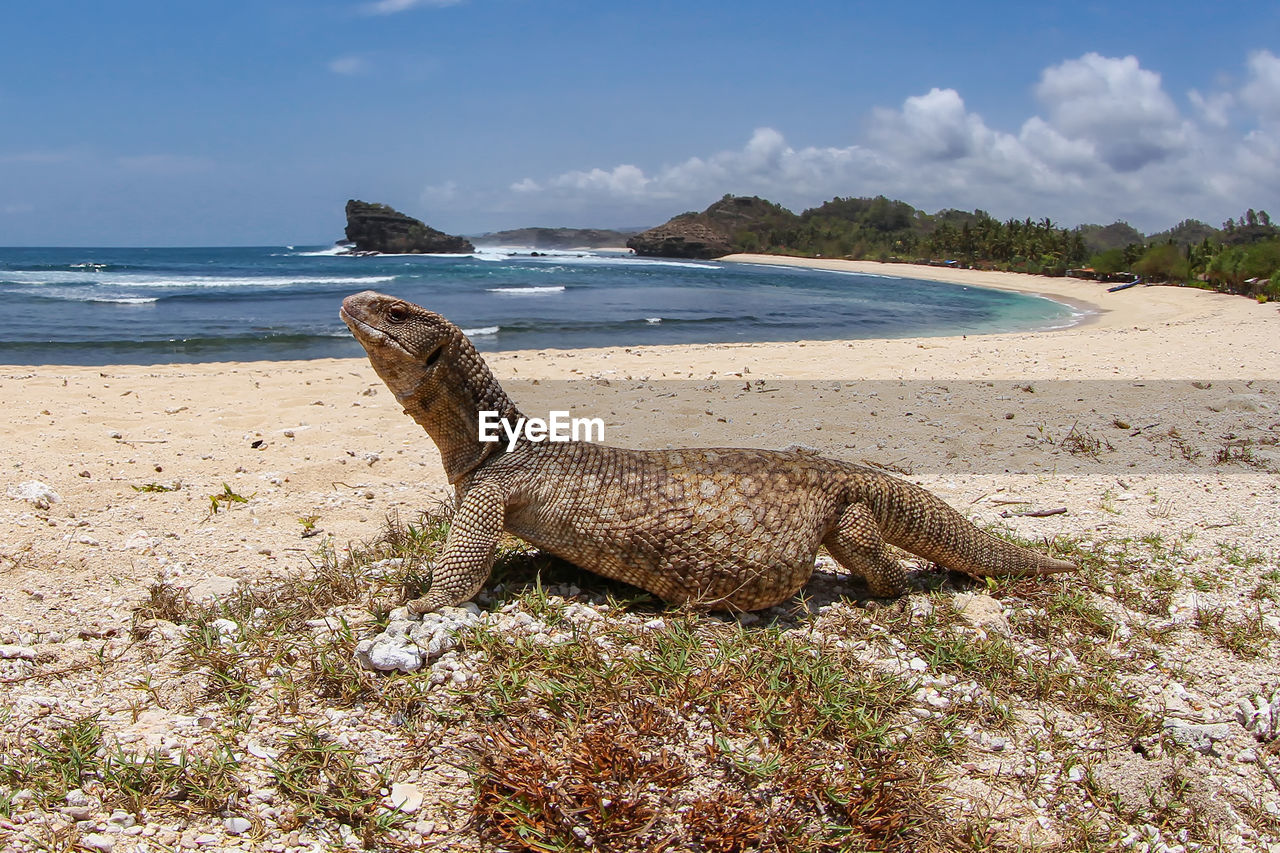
x=715 y=232
x=379 y=228
x=685 y=236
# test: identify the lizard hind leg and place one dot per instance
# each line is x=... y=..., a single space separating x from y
x=856 y=544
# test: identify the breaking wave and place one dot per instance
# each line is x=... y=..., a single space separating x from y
x=37 y=278
x=529 y=291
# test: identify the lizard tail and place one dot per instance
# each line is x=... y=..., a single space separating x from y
x=922 y=523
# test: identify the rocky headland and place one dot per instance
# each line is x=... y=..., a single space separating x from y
x=710 y=234
x=380 y=228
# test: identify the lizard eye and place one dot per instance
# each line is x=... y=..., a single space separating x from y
x=397 y=314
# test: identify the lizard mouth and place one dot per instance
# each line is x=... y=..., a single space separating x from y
x=367 y=333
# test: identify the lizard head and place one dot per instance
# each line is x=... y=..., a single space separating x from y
x=406 y=343
x=433 y=370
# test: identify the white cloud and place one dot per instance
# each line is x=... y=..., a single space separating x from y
x=440 y=194
x=935 y=126
x=348 y=65
x=766 y=164
x=1115 y=104
x=1215 y=109
x=1262 y=91
x=1111 y=143
x=1044 y=143
x=391 y=7
x=624 y=180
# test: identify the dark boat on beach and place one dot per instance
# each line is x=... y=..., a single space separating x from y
x=1125 y=286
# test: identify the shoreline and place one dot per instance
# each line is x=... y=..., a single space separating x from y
x=1081 y=295
x=1151 y=313
x=1153 y=332
x=1086 y=309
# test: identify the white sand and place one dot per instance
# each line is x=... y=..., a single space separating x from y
x=336 y=446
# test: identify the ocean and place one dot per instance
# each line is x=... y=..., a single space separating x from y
x=150 y=306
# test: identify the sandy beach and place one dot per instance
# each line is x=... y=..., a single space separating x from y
x=1158 y=413
x=293 y=432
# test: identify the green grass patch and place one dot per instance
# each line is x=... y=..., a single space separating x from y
x=50 y=764
x=322 y=778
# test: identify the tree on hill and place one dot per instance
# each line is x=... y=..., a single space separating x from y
x=1025 y=245
x=1188 y=232
x=1243 y=258
x=959 y=218
x=1163 y=262
x=1254 y=226
x=1117 y=235
x=878 y=214
x=886 y=229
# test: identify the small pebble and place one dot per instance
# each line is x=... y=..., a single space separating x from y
x=236 y=825
x=99 y=841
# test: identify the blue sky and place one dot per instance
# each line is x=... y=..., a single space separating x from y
x=236 y=122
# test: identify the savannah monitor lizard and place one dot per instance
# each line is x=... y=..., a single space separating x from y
x=720 y=528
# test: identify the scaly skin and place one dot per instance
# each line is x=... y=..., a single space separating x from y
x=717 y=528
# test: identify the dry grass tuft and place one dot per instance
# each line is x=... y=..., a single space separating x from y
x=700 y=735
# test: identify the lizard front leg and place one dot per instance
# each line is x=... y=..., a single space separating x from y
x=464 y=564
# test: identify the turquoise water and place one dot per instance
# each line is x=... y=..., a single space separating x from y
x=145 y=306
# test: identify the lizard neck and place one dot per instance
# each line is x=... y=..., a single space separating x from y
x=449 y=406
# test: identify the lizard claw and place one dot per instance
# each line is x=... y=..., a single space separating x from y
x=428 y=603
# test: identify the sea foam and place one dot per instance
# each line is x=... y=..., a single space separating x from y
x=153 y=280
x=580 y=257
x=628 y=261
x=332 y=251
x=123 y=300
x=528 y=291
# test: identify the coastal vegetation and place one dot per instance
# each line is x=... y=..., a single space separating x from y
x=1243 y=256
